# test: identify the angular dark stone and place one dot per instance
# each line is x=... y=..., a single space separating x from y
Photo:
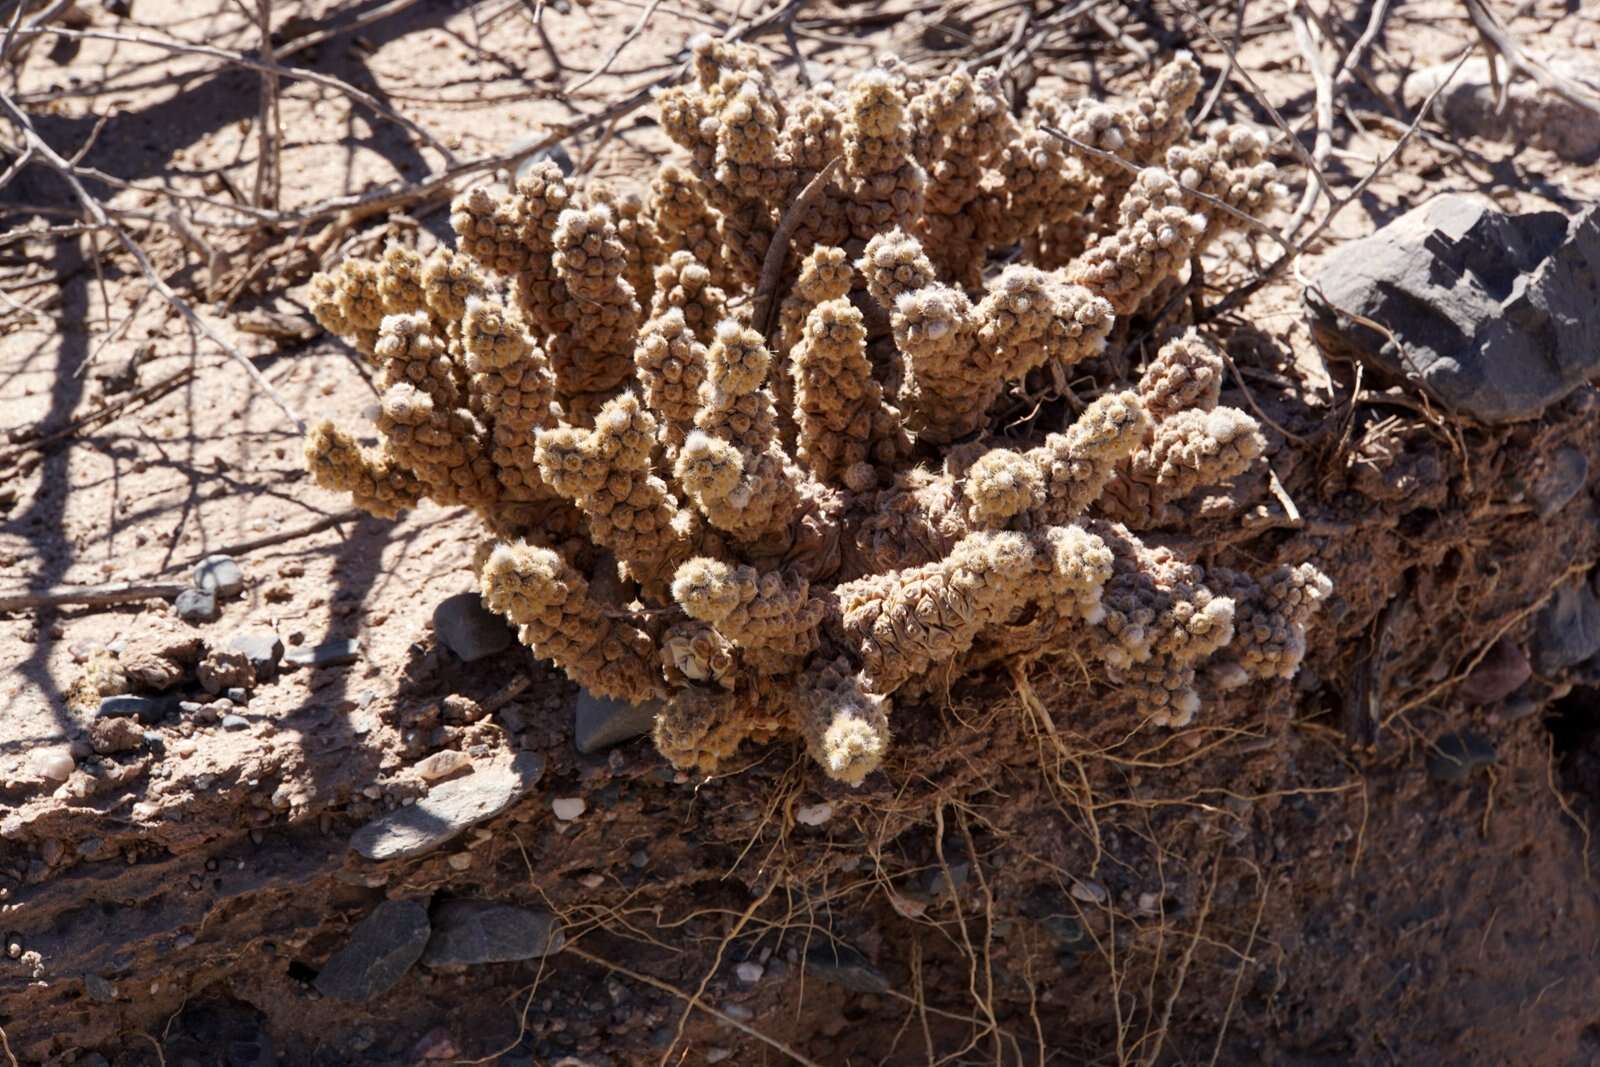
x=146 y=709
x=470 y=630
x=196 y=605
x=327 y=654
x=603 y=722
x=448 y=809
x=483 y=931
x=1564 y=474
x=264 y=650
x=1456 y=756
x=381 y=949
x=1492 y=314
x=1501 y=673
x=1568 y=628
x=836 y=962
x=219 y=575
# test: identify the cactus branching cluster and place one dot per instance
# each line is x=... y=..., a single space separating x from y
x=775 y=532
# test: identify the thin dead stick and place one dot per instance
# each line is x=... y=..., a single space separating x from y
x=91 y=595
x=616 y=49
x=1276 y=267
x=149 y=392
x=14 y=37
x=1499 y=37
x=326 y=522
x=778 y=249
x=311 y=40
x=5 y=1042
x=1351 y=64
x=666 y=987
x=1236 y=68
x=250 y=62
x=268 y=139
x=97 y=212
x=1220 y=205
x=1311 y=48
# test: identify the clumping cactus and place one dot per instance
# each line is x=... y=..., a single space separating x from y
x=773 y=533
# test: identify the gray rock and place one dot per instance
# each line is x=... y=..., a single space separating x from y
x=1492 y=314
x=1456 y=756
x=1501 y=673
x=1469 y=104
x=219 y=575
x=264 y=651
x=1563 y=475
x=99 y=990
x=146 y=709
x=238 y=695
x=327 y=654
x=1568 y=628
x=448 y=809
x=235 y=722
x=381 y=949
x=196 y=605
x=603 y=722
x=556 y=153
x=1068 y=934
x=470 y=630
x=836 y=962
x=482 y=931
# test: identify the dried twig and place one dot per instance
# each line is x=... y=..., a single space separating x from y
x=326 y=522
x=240 y=59
x=616 y=50
x=1500 y=39
x=778 y=249
x=1134 y=168
x=91 y=595
x=149 y=392
x=1276 y=267
x=98 y=213
x=1310 y=43
x=269 y=132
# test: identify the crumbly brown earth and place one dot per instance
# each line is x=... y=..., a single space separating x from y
x=1036 y=878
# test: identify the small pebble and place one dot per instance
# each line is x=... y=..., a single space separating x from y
x=640 y=859
x=195 y=605
x=219 y=575
x=1149 y=903
x=814 y=814
x=592 y=881
x=238 y=695
x=442 y=764
x=235 y=722
x=750 y=973
x=738 y=1012
x=717 y=1055
x=328 y=654
x=460 y=861
x=568 y=808
x=53 y=766
x=1089 y=891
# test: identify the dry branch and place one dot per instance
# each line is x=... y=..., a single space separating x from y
x=92 y=595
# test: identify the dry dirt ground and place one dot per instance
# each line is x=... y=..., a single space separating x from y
x=1262 y=891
